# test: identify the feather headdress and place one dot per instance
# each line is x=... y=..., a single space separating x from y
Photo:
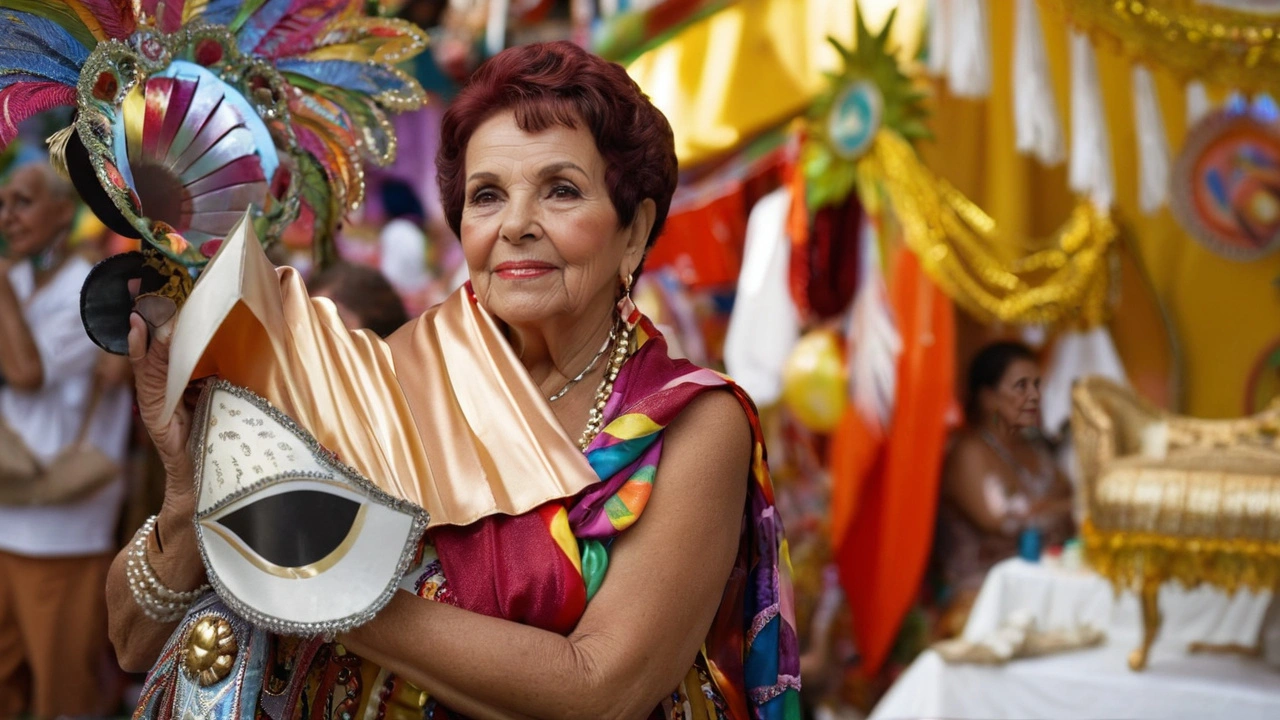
x=191 y=112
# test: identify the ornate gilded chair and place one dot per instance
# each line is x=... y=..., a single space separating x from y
x=1201 y=504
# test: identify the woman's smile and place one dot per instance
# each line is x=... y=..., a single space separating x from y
x=522 y=269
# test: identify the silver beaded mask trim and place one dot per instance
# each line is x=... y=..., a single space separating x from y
x=293 y=540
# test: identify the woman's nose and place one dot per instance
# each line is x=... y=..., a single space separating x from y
x=520 y=220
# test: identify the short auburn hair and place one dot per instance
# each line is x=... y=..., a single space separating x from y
x=559 y=83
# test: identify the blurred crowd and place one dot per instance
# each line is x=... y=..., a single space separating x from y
x=66 y=407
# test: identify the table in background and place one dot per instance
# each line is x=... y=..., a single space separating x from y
x=1097 y=683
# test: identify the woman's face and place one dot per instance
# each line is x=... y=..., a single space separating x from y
x=31 y=216
x=540 y=235
x=1015 y=401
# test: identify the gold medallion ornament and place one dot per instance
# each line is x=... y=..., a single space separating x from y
x=870 y=94
x=1191 y=38
x=209 y=650
x=860 y=137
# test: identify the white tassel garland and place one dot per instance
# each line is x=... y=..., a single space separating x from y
x=1153 y=144
x=1090 y=171
x=874 y=343
x=939 y=24
x=969 y=46
x=1197 y=103
x=1037 y=129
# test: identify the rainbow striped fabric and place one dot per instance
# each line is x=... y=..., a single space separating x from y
x=754 y=662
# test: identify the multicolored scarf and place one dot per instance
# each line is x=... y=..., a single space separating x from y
x=752 y=653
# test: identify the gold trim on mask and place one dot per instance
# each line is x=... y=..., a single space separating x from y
x=295 y=573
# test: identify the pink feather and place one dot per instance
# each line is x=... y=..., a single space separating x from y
x=302 y=25
x=115 y=16
x=167 y=13
x=22 y=100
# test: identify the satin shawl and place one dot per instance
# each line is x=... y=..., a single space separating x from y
x=414 y=415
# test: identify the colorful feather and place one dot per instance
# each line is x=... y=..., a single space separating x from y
x=356 y=113
x=213 y=12
x=38 y=46
x=167 y=13
x=297 y=31
x=260 y=21
x=117 y=18
x=388 y=85
x=86 y=33
x=340 y=163
x=319 y=197
x=19 y=102
x=338 y=61
x=13 y=77
x=386 y=40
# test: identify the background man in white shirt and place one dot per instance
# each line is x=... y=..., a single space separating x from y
x=53 y=559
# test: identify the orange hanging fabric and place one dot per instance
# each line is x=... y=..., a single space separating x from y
x=884 y=497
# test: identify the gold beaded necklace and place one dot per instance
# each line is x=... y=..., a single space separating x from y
x=595 y=418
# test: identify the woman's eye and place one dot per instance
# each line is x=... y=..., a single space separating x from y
x=482 y=196
x=564 y=191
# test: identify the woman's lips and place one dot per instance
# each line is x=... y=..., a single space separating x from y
x=524 y=270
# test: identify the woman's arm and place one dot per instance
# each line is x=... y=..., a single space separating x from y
x=172 y=550
x=19 y=357
x=641 y=632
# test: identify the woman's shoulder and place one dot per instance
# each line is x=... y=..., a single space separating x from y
x=714 y=428
x=969 y=452
x=967 y=440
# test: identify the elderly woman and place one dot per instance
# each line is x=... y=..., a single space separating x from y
x=999 y=479
x=52 y=557
x=557 y=174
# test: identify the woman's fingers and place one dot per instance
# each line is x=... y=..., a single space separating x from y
x=138 y=336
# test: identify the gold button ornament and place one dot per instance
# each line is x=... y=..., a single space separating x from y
x=209 y=650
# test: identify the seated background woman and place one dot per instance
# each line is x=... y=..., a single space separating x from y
x=557 y=174
x=999 y=478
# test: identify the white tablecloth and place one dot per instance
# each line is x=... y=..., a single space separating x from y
x=1060 y=598
x=1090 y=684
x=1097 y=683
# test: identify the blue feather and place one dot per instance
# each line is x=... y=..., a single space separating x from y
x=368 y=78
x=16 y=77
x=263 y=19
x=34 y=45
x=220 y=12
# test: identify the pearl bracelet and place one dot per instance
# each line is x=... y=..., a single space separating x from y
x=157 y=601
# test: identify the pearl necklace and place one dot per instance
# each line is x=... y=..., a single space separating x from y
x=595 y=419
x=613 y=333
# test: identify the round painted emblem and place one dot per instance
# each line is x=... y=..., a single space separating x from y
x=854 y=119
x=1226 y=184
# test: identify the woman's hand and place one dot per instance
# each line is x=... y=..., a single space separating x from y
x=177 y=562
x=172 y=551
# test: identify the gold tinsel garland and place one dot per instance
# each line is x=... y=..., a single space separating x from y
x=1191 y=39
x=1064 y=279
x=1128 y=559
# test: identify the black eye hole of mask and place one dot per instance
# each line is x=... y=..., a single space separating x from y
x=293 y=529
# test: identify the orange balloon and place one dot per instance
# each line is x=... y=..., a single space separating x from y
x=815 y=382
